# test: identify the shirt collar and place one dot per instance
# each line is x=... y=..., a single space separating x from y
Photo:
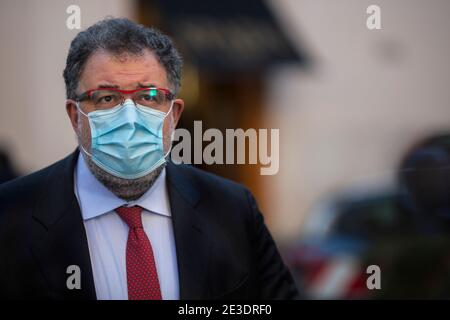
x=95 y=199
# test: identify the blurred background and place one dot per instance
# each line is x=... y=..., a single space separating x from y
x=364 y=120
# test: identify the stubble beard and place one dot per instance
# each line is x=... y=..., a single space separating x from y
x=127 y=189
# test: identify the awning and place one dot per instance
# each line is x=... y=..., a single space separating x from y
x=231 y=35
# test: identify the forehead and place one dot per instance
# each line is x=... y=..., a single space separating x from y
x=125 y=71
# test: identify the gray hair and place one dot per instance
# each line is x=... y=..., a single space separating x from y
x=120 y=36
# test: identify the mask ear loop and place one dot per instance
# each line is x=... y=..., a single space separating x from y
x=84 y=114
x=79 y=109
x=173 y=133
x=170 y=109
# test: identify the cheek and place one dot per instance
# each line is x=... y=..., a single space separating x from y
x=84 y=131
x=168 y=126
x=167 y=133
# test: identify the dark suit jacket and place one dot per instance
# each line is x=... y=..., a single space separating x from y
x=223 y=247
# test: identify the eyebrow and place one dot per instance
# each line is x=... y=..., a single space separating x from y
x=106 y=86
x=151 y=85
x=140 y=85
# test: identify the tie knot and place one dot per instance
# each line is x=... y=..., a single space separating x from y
x=131 y=216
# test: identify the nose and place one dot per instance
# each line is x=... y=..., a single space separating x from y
x=127 y=101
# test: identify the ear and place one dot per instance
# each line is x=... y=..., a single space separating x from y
x=177 y=110
x=72 y=112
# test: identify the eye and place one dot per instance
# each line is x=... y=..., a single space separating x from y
x=148 y=97
x=107 y=99
x=102 y=98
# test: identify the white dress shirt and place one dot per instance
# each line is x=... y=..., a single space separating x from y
x=107 y=234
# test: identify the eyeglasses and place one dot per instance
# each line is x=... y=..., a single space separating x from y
x=101 y=99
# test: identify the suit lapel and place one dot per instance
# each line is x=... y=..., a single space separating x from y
x=60 y=238
x=191 y=237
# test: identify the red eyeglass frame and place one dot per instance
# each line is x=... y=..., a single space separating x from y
x=87 y=94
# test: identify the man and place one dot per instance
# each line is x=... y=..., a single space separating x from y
x=116 y=213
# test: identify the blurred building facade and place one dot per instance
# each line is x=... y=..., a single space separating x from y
x=343 y=124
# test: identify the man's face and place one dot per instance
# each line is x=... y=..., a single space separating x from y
x=126 y=72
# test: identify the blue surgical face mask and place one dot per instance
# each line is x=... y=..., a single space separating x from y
x=127 y=140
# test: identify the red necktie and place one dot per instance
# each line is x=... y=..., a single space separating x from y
x=142 y=277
